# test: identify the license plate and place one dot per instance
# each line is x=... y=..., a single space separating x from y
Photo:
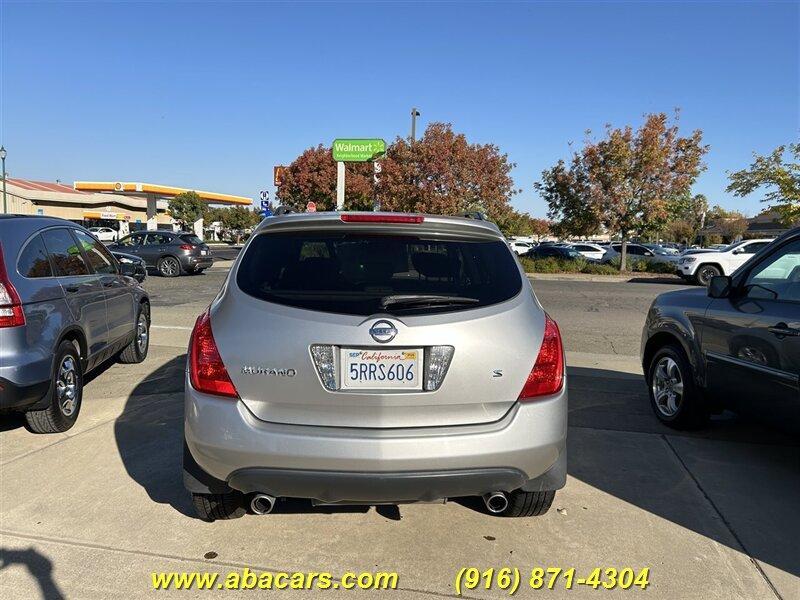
x=203 y=252
x=381 y=369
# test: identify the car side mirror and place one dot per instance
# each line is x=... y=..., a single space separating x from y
x=127 y=269
x=720 y=286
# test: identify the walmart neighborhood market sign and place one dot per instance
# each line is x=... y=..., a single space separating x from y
x=357 y=150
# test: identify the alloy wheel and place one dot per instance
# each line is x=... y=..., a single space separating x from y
x=142 y=333
x=169 y=267
x=67 y=386
x=667 y=386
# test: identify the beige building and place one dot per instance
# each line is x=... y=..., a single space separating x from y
x=125 y=206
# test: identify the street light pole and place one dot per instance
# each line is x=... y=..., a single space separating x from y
x=3 y=159
x=414 y=115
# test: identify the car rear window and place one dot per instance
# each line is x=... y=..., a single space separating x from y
x=191 y=239
x=352 y=273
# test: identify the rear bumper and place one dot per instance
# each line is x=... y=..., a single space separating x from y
x=228 y=448
x=16 y=397
x=198 y=262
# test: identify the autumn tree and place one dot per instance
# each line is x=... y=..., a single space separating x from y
x=685 y=217
x=680 y=231
x=186 y=208
x=627 y=179
x=443 y=173
x=312 y=177
x=730 y=224
x=779 y=173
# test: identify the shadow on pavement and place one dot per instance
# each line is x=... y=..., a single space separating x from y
x=735 y=482
x=39 y=566
x=149 y=435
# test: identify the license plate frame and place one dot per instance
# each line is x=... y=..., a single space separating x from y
x=377 y=380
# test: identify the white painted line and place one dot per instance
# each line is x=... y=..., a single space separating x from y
x=170 y=327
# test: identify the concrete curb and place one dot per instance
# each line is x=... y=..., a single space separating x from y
x=634 y=278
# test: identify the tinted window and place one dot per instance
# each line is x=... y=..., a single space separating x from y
x=64 y=252
x=753 y=248
x=777 y=277
x=131 y=240
x=33 y=261
x=351 y=272
x=192 y=239
x=157 y=239
x=99 y=258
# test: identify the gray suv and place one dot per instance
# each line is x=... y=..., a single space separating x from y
x=170 y=253
x=375 y=358
x=66 y=306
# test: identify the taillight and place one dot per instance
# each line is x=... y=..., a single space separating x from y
x=381 y=218
x=206 y=370
x=547 y=375
x=187 y=247
x=11 y=314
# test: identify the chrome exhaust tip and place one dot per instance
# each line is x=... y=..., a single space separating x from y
x=262 y=504
x=496 y=502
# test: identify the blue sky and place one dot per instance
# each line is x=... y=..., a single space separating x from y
x=212 y=95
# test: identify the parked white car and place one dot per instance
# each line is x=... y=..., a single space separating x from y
x=104 y=234
x=702 y=266
x=592 y=251
x=520 y=248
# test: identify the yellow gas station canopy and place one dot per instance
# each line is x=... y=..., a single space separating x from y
x=162 y=191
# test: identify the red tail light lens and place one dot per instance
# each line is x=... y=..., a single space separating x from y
x=186 y=247
x=547 y=375
x=206 y=370
x=11 y=314
x=351 y=218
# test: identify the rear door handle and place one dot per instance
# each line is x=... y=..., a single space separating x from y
x=72 y=288
x=782 y=330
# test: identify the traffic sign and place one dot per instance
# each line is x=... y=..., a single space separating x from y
x=264 y=204
x=264 y=195
x=311 y=206
x=358 y=150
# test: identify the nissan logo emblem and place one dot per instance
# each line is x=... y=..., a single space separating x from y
x=383 y=331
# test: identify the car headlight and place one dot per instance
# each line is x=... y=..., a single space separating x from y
x=688 y=259
x=127 y=261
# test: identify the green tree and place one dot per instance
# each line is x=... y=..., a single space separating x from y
x=566 y=191
x=186 y=208
x=730 y=224
x=779 y=173
x=626 y=180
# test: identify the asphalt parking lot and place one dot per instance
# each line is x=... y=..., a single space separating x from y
x=92 y=512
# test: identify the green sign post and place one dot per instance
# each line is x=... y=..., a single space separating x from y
x=356 y=150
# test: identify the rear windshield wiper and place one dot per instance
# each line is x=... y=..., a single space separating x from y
x=425 y=299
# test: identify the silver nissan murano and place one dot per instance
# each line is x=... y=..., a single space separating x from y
x=375 y=358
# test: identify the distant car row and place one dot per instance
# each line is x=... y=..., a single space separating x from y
x=697 y=265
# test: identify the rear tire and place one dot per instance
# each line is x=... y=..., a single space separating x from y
x=686 y=409
x=65 y=393
x=136 y=351
x=214 y=507
x=169 y=266
x=704 y=274
x=528 y=504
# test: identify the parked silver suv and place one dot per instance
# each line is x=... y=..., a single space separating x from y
x=375 y=358
x=66 y=306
